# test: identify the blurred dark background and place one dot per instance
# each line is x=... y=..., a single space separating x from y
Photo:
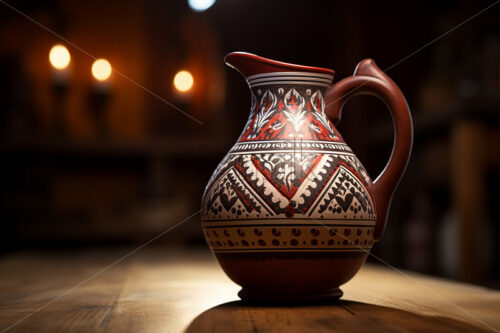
x=105 y=163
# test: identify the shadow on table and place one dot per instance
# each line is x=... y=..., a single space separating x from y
x=341 y=316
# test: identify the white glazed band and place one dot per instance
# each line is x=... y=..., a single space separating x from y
x=293 y=78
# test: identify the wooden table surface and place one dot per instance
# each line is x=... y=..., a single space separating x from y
x=161 y=290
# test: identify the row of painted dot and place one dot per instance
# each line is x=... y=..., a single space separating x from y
x=295 y=232
x=293 y=242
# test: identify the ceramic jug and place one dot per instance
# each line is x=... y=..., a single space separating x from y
x=290 y=213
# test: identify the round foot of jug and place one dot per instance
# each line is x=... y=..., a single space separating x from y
x=290 y=296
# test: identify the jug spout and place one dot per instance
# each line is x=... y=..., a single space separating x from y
x=250 y=64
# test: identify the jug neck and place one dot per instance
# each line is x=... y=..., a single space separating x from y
x=288 y=101
x=262 y=73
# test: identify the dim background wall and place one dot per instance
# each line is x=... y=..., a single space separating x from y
x=73 y=174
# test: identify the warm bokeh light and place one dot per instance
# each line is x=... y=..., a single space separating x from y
x=183 y=81
x=101 y=69
x=59 y=56
x=200 y=5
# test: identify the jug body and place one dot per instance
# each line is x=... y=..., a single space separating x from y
x=290 y=195
x=289 y=212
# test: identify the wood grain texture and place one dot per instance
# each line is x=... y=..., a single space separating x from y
x=164 y=291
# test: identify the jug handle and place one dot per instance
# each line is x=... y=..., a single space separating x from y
x=369 y=79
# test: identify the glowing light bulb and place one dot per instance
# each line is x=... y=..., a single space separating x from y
x=59 y=56
x=101 y=69
x=200 y=5
x=183 y=81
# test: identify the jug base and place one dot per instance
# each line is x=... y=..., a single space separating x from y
x=290 y=296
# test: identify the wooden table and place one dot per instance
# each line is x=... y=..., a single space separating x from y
x=162 y=290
